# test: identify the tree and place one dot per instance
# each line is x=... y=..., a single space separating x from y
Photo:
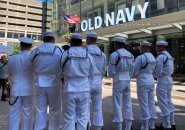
x=16 y=49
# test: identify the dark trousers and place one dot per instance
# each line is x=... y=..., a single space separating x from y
x=3 y=85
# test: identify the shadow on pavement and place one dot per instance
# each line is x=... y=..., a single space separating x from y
x=108 y=115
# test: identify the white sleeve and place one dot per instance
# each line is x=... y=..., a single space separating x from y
x=137 y=66
x=159 y=66
x=112 y=65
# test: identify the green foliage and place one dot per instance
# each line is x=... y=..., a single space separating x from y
x=66 y=37
x=16 y=49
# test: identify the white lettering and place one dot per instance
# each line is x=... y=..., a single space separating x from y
x=84 y=25
x=98 y=22
x=90 y=24
x=109 y=19
x=120 y=17
x=130 y=15
x=143 y=10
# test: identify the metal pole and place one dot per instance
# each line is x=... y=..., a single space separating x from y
x=80 y=14
x=44 y=16
x=93 y=10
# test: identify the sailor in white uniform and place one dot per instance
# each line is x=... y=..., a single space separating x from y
x=96 y=83
x=77 y=70
x=143 y=71
x=21 y=78
x=46 y=62
x=163 y=71
x=121 y=69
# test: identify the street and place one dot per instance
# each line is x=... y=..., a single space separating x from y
x=177 y=94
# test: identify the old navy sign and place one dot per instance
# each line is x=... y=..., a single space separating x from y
x=114 y=19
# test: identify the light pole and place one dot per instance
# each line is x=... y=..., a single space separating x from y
x=44 y=16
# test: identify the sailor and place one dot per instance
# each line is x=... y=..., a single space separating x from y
x=46 y=62
x=143 y=71
x=163 y=71
x=77 y=70
x=121 y=69
x=21 y=79
x=96 y=84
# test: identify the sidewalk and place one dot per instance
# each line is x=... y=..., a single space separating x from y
x=178 y=95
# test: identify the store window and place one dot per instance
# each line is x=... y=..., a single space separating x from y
x=171 y=3
x=181 y=2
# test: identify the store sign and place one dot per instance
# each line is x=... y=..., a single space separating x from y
x=125 y=15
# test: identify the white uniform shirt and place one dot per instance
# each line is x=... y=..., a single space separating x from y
x=46 y=61
x=164 y=68
x=144 y=68
x=121 y=65
x=21 y=70
x=77 y=70
x=100 y=62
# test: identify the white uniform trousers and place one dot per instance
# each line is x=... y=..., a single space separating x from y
x=122 y=100
x=49 y=96
x=164 y=99
x=96 y=100
x=24 y=106
x=75 y=110
x=146 y=101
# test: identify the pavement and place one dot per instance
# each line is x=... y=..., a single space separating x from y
x=178 y=95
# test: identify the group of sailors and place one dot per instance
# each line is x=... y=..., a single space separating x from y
x=66 y=82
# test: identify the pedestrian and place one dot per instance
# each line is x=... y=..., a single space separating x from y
x=121 y=69
x=96 y=84
x=163 y=71
x=3 y=76
x=143 y=71
x=77 y=71
x=21 y=79
x=46 y=62
x=65 y=47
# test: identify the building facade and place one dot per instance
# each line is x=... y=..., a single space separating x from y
x=164 y=20
x=23 y=18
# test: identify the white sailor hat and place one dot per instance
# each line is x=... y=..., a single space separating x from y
x=92 y=34
x=26 y=40
x=49 y=34
x=162 y=43
x=76 y=36
x=145 y=43
x=120 y=39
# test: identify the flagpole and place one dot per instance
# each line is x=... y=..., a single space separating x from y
x=80 y=12
x=44 y=16
x=92 y=9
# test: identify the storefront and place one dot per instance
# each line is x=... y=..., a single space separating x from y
x=164 y=20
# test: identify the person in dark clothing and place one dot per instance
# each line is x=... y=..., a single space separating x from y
x=3 y=76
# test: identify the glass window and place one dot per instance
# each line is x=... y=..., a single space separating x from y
x=34 y=37
x=16 y=35
x=181 y=1
x=10 y=35
x=170 y=3
x=21 y=35
x=39 y=37
x=2 y=34
x=29 y=35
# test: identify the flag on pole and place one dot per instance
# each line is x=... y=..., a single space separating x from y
x=47 y=1
x=72 y=19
